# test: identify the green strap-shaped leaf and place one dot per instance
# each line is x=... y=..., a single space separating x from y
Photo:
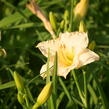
x=13 y=18
x=7 y=85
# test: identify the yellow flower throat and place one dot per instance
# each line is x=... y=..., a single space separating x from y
x=65 y=56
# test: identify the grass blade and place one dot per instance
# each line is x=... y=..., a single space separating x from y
x=13 y=18
x=102 y=94
x=7 y=85
x=54 y=80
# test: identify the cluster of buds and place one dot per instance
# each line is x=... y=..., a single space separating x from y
x=21 y=96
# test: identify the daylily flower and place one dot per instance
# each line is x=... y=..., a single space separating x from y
x=72 y=52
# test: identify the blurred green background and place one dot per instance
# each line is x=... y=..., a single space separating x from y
x=20 y=31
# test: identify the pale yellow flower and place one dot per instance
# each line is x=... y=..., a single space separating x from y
x=72 y=52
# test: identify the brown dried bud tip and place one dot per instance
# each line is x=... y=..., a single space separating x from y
x=35 y=9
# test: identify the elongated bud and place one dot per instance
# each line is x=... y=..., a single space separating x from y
x=19 y=82
x=35 y=9
x=2 y=52
x=81 y=9
x=66 y=19
x=92 y=45
x=20 y=98
x=62 y=24
x=82 y=27
x=53 y=21
x=44 y=95
x=66 y=15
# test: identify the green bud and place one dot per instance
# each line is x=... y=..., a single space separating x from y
x=82 y=27
x=2 y=52
x=53 y=21
x=81 y=9
x=66 y=19
x=66 y=15
x=19 y=82
x=62 y=24
x=44 y=95
x=92 y=45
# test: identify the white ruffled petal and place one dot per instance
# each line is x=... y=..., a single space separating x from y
x=63 y=71
x=44 y=69
x=51 y=45
x=86 y=57
x=74 y=39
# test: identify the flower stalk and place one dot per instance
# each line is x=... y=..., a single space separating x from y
x=78 y=87
x=85 y=90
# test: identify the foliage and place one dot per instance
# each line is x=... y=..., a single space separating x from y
x=20 y=31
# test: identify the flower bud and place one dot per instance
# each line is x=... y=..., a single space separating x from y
x=53 y=21
x=19 y=82
x=81 y=9
x=82 y=27
x=2 y=52
x=35 y=9
x=66 y=15
x=66 y=19
x=44 y=95
x=62 y=24
x=92 y=45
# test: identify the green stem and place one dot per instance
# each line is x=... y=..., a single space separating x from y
x=48 y=70
x=65 y=89
x=77 y=101
x=71 y=16
x=78 y=87
x=72 y=99
x=27 y=101
x=50 y=101
x=93 y=94
x=71 y=84
x=29 y=94
x=102 y=94
x=54 y=80
x=85 y=89
x=35 y=106
x=35 y=78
